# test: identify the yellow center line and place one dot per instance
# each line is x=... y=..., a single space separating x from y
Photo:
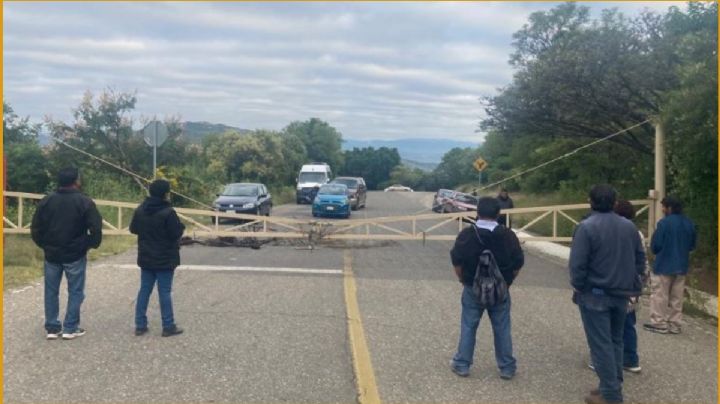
x=364 y=373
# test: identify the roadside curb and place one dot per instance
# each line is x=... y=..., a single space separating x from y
x=703 y=301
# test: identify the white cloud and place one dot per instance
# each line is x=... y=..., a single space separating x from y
x=370 y=69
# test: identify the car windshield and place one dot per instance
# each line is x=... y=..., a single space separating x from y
x=240 y=190
x=312 y=177
x=332 y=189
x=349 y=182
x=469 y=199
x=444 y=192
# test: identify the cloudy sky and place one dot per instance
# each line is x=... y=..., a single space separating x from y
x=373 y=70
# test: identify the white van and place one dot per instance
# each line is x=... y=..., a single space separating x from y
x=311 y=176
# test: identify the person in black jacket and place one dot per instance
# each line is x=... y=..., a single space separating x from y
x=159 y=231
x=502 y=242
x=607 y=261
x=66 y=225
x=506 y=202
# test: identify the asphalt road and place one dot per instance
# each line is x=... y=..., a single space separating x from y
x=258 y=332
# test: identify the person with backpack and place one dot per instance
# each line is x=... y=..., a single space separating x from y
x=159 y=231
x=66 y=224
x=607 y=261
x=487 y=258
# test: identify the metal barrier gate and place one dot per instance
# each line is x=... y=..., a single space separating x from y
x=557 y=220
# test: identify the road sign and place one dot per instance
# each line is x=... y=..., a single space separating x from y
x=155 y=133
x=480 y=164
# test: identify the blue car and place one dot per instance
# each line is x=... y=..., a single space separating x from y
x=331 y=200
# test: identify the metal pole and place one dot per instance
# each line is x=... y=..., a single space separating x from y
x=155 y=152
x=659 y=168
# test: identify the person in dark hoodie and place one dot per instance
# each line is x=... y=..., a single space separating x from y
x=486 y=233
x=66 y=224
x=607 y=262
x=159 y=231
x=506 y=202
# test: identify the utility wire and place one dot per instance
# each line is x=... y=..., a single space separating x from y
x=568 y=154
x=126 y=171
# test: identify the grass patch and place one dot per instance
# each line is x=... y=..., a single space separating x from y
x=23 y=260
x=282 y=195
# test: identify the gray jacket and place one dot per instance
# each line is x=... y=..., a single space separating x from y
x=607 y=254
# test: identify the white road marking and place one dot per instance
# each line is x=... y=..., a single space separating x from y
x=238 y=269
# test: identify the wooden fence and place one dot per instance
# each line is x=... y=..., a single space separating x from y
x=425 y=227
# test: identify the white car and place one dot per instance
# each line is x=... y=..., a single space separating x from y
x=398 y=188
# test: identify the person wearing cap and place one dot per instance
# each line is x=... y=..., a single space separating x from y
x=66 y=225
x=159 y=231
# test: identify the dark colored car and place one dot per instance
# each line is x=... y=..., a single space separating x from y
x=248 y=198
x=441 y=197
x=357 y=190
x=459 y=202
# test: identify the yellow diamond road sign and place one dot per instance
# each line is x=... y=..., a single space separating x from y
x=480 y=164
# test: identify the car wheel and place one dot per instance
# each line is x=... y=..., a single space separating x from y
x=298 y=201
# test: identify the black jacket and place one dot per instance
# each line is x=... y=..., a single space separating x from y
x=159 y=231
x=66 y=224
x=607 y=254
x=501 y=241
x=506 y=203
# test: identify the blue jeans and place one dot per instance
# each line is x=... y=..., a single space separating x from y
x=164 y=279
x=630 y=341
x=75 y=274
x=603 y=319
x=469 y=322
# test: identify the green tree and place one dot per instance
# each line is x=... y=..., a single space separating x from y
x=26 y=164
x=411 y=177
x=375 y=165
x=456 y=167
x=322 y=141
x=578 y=77
x=294 y=156
x=690 y=114
x=253 y=157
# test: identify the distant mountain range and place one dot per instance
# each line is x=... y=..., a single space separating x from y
x=194 y=132
x=424 y=154
x=416 y=164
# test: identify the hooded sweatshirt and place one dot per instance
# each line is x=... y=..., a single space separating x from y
x=159 y=231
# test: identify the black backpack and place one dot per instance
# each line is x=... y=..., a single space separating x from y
x=489 y=287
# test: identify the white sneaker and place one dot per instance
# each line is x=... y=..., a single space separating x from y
x=78 y=333
x=632 y=369
x=53 y=335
